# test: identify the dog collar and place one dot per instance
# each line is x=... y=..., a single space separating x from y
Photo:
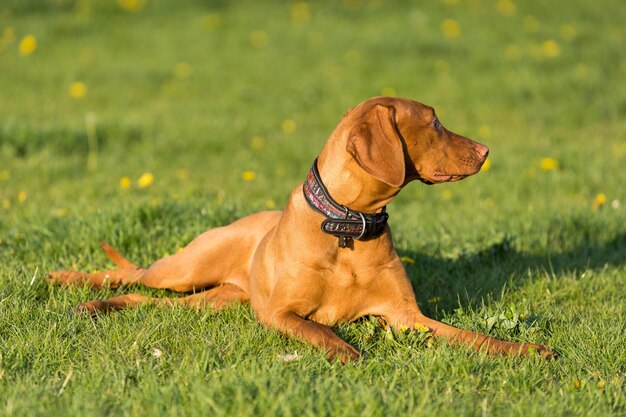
x=342 y=222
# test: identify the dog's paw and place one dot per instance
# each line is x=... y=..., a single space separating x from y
x=65 y=277
x=344 y=353
x=535 y=349
x=91 y=308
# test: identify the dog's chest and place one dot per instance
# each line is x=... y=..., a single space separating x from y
x=345 y=295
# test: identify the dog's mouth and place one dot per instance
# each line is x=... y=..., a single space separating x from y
x=441 y=177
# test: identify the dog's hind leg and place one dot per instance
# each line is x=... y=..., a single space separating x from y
x=219 y=255
x=217 y=298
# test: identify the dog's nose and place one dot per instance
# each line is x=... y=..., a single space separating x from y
x=482 y=150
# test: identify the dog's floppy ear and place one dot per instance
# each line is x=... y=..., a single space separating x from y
x=375 y=146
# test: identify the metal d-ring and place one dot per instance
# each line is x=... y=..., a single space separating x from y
x=362 y=231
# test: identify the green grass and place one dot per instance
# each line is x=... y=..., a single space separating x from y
x=516 y=250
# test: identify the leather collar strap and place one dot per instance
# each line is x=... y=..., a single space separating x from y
x=342 y=222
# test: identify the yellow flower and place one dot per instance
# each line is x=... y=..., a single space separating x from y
x=145 y=180
x=28 y=45
x=506 y=7
x=212 y=22
x=446 y=194
x=599 y=201
x=78 y=89
x=22 y=196
x=8 y=35
x=442 y=66
x=513 y=52
x=450 y=28
x=270 y=204
x=259 y=39
x=484 y=132
x=531 y=24
x=182 y=70
x=568 y=32
x=388 y=91
x=248 y=175
x=257 y=143
x=601 y=384
x=407 y=261
x=125 y=183
x=549 y=164
x=289 y=126
x=577 y=383
x=132 y=5
x=486 y=166
x=550 y=49
x=353 y=56
x=182 y=174
x=300 y=13
x=420 y=327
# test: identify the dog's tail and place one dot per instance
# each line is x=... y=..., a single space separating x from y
x=115 y=256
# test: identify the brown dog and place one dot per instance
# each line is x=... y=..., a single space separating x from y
x=328 y=257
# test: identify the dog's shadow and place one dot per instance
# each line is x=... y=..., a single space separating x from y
x=442 y=284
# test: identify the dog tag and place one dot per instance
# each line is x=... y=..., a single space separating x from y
x=344 y=241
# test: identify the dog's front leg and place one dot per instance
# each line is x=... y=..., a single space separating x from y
x=317 y=334
x=412 y=318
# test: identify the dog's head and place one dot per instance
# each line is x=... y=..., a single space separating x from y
x=398 y=141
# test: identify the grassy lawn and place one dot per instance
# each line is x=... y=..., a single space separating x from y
x=226 y=104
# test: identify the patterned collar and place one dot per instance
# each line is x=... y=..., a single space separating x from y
x=342 y=222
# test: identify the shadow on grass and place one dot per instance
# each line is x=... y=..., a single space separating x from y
x=469 y=278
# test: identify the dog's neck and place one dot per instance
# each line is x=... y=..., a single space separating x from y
x=346 y=183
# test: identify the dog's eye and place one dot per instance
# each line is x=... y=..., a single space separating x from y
x=436 y=124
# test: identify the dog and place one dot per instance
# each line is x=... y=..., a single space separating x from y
x=328 y=257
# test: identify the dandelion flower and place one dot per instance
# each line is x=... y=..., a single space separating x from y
x=531 y=24
x=549 y=164
x=513 y=52
x=300 y=13
x=22 y=196
x=182 y=174
x=568 y=32
x=442 y=66
x=145 y=180
x=132 y=5
x=506 y=7
x=28 y=45
x=125 y=183
x=8 y=35
x=257 y=143
x=450 y=28
x=353 y=56
x=259 y=39
x=248 y=175
x=388 y=91
x=599 y=201
x=288 y=126
x=484 y=131
x=182 y=70
x=212 y=22
x=78 y=89
x=486 y=166
x=270 y=204
x=550 y=49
